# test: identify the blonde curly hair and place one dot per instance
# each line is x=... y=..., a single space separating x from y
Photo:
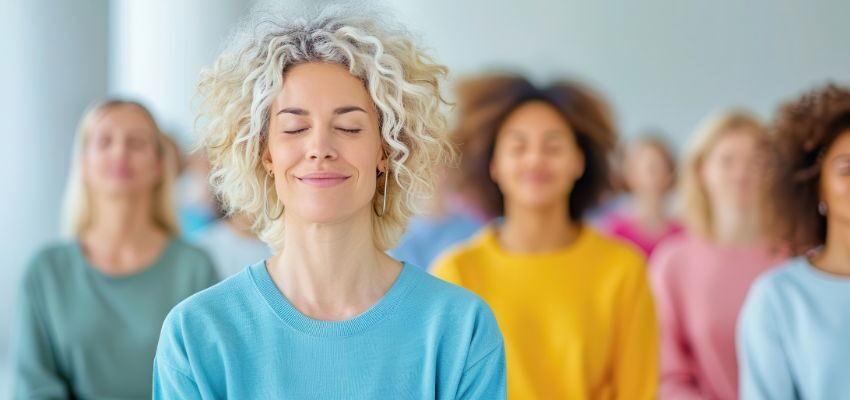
x=403 y=82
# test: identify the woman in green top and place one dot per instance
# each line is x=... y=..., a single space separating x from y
x=91 y=307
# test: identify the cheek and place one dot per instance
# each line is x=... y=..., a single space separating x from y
x=837 y=186
x=94 y=162
x=503 y=164
x=146 y=163
x=283 y=157
x=712 y=178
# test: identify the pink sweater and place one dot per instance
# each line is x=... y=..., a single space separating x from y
x=620 y=225
x=699 y=290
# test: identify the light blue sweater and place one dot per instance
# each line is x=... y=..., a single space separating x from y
x=241 y=339
x=794 y=335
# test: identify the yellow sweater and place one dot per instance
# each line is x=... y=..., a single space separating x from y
x=578 y=323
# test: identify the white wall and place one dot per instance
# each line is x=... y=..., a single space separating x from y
x=54 y=63
x=663 y=63
x=58 y=56
x=158 y=48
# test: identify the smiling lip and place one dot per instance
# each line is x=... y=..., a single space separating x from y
x=323 y=179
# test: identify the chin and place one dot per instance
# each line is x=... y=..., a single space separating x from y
x=540 y=201
x=324 y=213
x=125 y=190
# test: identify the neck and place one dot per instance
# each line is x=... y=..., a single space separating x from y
x=122 y=238
x=649 y=212
x=834 y=258
x=736 y=226
x=121 y=221
x=332 y=271
x=537 y=230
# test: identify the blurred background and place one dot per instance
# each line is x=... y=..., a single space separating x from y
x=664 y=65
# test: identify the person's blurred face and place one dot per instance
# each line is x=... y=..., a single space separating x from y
x=731 y=171
x=835 y=180
x=648 y=172
x=121 y=153
x=324 y=145
x=536 y=160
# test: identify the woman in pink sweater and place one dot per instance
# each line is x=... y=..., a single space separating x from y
x=649 y=174
x=701 y=278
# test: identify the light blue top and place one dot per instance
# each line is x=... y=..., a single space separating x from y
x=794 y=335
x=241 y=339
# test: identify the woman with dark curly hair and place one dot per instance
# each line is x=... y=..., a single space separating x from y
x=575 y=308
x=792 y=335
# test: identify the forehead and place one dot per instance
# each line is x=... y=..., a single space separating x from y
x=741 y=139
x=536 y=118
x=320 y=84
x=125 y=118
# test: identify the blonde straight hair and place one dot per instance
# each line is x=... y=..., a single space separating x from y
x=77 y=207
x=695 y=205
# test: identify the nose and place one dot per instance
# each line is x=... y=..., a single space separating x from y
x=119 y=149
x=321 y=146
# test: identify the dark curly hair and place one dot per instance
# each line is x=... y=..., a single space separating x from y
x=802 y=132
x=485 y=102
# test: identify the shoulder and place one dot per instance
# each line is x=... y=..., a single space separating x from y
x=776 y=280
x=430 y=291
x=458 y=310
x=189 y=252
x=215 y=302
x=677 y=244
x=207 y=317
x=672 y=251
x=50 y=261
x=463 y=255
x=772 y=292
x=615 y=252
x=191 y=258
x=447 y=299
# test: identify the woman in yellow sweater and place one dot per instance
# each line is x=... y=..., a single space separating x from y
x=574 y=307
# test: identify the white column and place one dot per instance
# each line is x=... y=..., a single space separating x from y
x=158 y=48
x=54 y=63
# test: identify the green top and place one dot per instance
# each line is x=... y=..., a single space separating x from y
x=83 y=334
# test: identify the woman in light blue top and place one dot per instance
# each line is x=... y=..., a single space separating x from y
x=327 y=131
x=794 y=331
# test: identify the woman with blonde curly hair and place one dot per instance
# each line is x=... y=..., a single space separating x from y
x=327 y=131
x=792 y=334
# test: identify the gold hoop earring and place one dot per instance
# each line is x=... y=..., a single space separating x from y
x=266 y=199
x=386 y=183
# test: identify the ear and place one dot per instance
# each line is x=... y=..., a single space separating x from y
x=166 y=155
x=494 y=172
x=580 y=164
x=383 y=158
x=266 y=159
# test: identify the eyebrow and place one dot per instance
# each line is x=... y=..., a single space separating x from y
x=337 y=111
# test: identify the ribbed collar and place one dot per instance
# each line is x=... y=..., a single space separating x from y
x=406 y=280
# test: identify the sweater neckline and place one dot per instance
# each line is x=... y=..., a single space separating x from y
x=284 y=310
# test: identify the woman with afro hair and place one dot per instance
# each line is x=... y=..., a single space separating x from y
x=792 y=334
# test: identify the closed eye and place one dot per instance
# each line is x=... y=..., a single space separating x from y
x=349 y=130
x=295 y=131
